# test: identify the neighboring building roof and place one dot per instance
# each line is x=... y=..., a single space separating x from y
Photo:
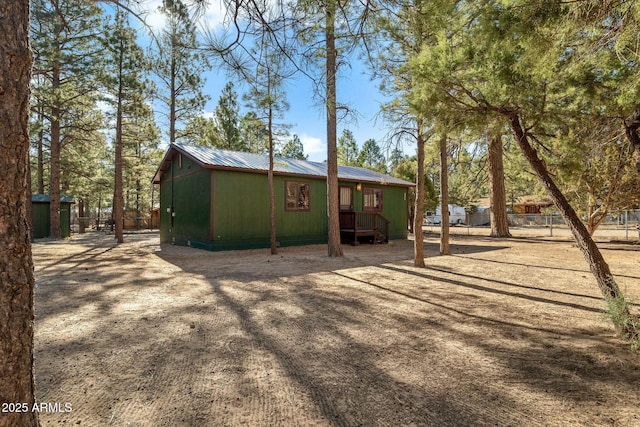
x=45 y=198
x=534 y=200
x=214 y=158
x=483 y=202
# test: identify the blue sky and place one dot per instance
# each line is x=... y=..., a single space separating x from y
x=306 y=117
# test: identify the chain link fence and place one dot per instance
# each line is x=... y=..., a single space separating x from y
x=622 y=225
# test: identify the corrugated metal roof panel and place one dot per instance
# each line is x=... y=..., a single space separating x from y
x=214 y=157
x=45 y=198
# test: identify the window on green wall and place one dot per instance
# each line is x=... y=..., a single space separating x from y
x=297 y=196
x=372 y=199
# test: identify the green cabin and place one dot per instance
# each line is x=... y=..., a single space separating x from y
x=41 y=216
x=219 y=200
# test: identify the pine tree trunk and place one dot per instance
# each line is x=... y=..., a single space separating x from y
x=333 y=200
x=28 y=202
x=272 y=207
x=98 y=219
x=411 y=213
x=54 y=163
x=631 y=130
x=411 y=196
x=590 y=210
x=40 y=172
x=272 y=193
x=118 y=199
x=138 y=213
x=81 y=220
x=597 y=264
x=444 y=199
x=172 y=94
x=16 y=265
x=418 y=242
x=595 y=216
x=497 y=192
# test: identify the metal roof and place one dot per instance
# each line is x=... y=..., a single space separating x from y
x=215 y=158
x=45 y=198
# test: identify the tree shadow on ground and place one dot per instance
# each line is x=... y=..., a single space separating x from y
x=94 y=249
x=329 y=354
x=543 y=358
x=474 y=285
x=546 y=267
x=300 y=339
x=359 y=370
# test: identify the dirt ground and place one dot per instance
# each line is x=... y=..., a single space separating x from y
x=507 y=332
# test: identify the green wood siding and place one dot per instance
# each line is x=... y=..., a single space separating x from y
x=41 y=219
x=65 y=220
x=188 y=191
x=395 y=210
x=165 y=204
x=241 y=212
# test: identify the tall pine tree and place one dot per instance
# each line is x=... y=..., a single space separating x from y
x=67 y=56
x=514 y=63
x=16 y=263
x=179 y=68
x=124 y=83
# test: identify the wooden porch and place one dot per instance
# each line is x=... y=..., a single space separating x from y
x=354 y=225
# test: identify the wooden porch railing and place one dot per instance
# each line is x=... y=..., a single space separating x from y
x=364 y=224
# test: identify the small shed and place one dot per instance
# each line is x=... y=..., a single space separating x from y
x=219 y=200
x=41 y=216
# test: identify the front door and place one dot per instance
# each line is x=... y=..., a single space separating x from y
x=346 y=199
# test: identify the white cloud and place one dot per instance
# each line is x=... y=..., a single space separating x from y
x=104 y=106
x=313 y=145
x=214 y=15
x=156 y=20
x=208 y=114
x=152 y=16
